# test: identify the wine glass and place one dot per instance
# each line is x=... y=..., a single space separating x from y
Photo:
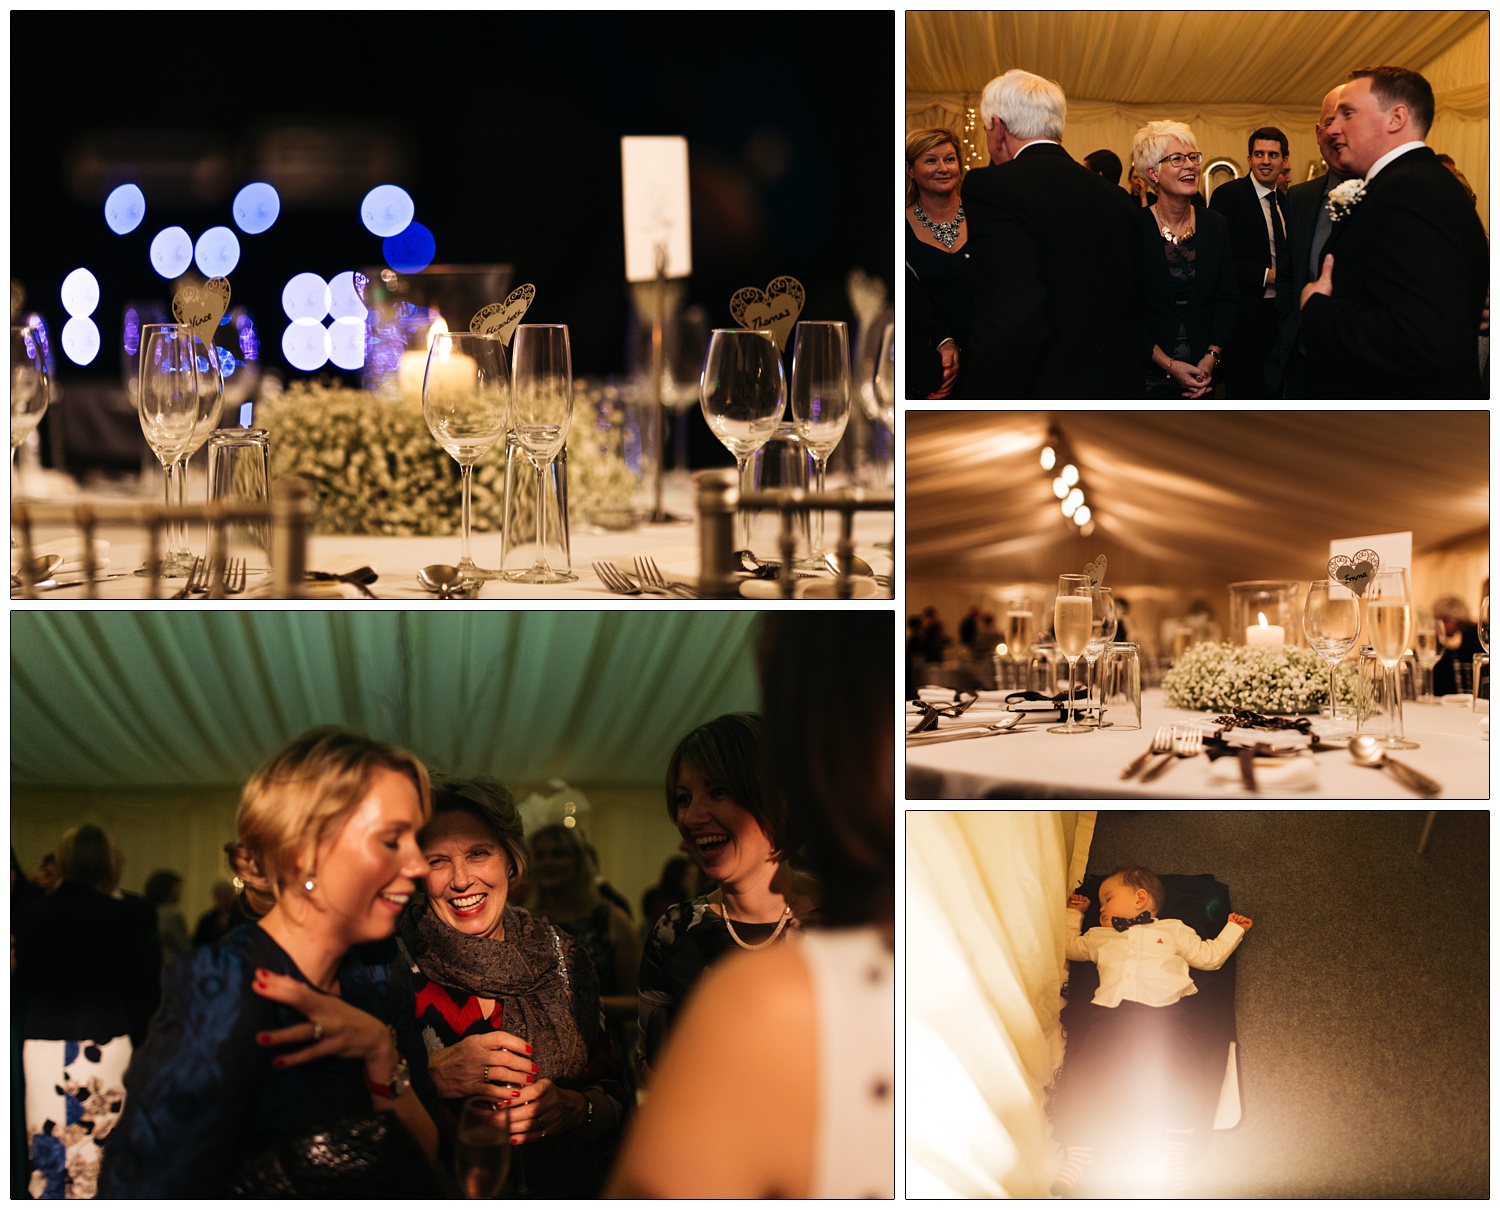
x=885 y=376
x=1020 y=629
x=1102 y=627
x=820 y=404
x=1072 y=627
x=542 y=406
x=30 y=390
x=1330 y=619
x=1428 y=651
x=481 y=1147
x=1388 y=614
x=1484 y=625
x=466 y=403
x=169 y=398
x=743 y=393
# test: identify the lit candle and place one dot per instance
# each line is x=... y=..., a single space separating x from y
x=1265 y=636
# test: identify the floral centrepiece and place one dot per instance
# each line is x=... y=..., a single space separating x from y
x=377 y=470
x=1221 y=677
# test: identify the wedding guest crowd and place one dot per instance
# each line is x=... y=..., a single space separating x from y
x=1371 y=281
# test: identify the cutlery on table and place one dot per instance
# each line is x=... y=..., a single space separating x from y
x=361 y=578
x=975 y=732
x=1366 y=750
x=651 y=577
x=1161 y=744
x=931 y=712
x=1184 y=744
x=197 y=581
x=616 y=580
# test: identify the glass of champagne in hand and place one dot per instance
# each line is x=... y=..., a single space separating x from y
x=1330 y=618
x=743 y=392
x=481 y=1147
x=542 y=395
x=466 y=403
x=1387 y=625
x=1072 y=627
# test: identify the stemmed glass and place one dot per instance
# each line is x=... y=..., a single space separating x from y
x=170 y=397
x=542 y=402
x=29 y=389
x=481 y=1147
x=820 y=403
x=1072 y=626
x=1102 y=629
x=466 y=403
x=1425 y=641
x=1330 y=618
x=1484 y=625
x=1388 y=614
x=885 y=376
x=743 y=393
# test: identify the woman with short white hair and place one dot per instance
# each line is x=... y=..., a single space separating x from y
x=1189 y=293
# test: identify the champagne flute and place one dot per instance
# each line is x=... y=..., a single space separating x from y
x=466 y=403
x=481 y=1147
x=1072 y=626
x=1102 y=627
x=1330 y=619
x=169 y=399
x=542 y=407
x=820 y=404
x=743 y=393
x=1388 y=613
x=885 y=376
x=30 y=390
x=1425 y=643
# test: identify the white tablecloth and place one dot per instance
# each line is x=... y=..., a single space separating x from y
x=1030 y=763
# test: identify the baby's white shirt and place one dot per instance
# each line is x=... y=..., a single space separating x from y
x=1148 y=963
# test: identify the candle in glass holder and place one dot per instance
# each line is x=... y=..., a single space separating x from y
x=1264 y=635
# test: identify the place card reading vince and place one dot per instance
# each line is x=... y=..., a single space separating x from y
x=200 y=308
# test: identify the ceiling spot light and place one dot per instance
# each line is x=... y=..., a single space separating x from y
x=124 y=209
x=1059 y=487
x=1070 y=474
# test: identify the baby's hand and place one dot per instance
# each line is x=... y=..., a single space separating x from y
x=1079 y=903
x=1243 y=921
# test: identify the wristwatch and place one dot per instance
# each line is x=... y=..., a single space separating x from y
x=400 y=1082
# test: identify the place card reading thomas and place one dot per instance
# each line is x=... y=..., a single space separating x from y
x=776 y=307
x=500 y=320
x=200 y=308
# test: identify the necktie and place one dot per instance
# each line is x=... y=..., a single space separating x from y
x=1278 y=232
x=1122 y=925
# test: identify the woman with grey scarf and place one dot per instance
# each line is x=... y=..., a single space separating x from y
x=508 y=1006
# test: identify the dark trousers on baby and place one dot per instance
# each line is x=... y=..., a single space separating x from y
x=1134 y=1060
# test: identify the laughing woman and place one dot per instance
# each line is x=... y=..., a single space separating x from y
x=740 y=837
x=270 y=1053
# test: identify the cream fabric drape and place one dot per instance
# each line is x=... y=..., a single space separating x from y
x=985 y=933
x=1224 y=73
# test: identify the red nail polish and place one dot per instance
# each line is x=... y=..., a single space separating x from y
x=278 y=1062
x=531 y=1079
x=515 y=1142
x=528 y=1050
x=263 y=1039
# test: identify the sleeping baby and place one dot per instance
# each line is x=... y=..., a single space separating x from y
x=1143 y=976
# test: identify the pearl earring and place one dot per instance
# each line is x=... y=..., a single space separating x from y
x=310 y=885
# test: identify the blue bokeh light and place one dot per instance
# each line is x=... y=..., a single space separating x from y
x=305 y=297
x=346 y=343
x=304 y=344
x=80 y=340
x=256 y=207
x=80 y=292
x=124 y=209
x=344 y=301
x=387 y=210
x=172 y=252
x=218 y=252
x=411 y=251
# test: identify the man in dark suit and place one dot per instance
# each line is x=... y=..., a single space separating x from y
x=1308 y=227
x=1258 y=232
x=1053 y=251
x=1395 y=311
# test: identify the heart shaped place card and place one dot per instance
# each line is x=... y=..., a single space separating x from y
x=500 y=320
x=776 y=307
x=1354 y=574
x=200 y=308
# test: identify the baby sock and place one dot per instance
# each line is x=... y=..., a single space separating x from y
x=1175 y=1144
x=1078 y=1159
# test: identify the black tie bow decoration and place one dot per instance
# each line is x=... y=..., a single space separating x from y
x=1122 y=925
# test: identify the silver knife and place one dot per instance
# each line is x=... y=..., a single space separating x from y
x=934 y=737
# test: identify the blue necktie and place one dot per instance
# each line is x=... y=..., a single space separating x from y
x=1122 y=925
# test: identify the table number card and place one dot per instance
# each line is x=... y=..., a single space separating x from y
x=500 y=320
x=776 y=307
x=654 y=173
x=200 y=308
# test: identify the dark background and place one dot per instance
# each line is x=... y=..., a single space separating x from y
x=509 y=125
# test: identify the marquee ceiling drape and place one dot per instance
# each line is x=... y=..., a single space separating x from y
x=198 y=698
x=1185 y=499
x=1224 y=73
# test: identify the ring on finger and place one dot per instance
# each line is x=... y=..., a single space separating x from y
x=317 y=1033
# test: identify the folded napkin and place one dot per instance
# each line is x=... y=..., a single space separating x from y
x=72 y=563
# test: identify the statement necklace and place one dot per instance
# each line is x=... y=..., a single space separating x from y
x=946 y=233
x=745 y=945
x=1168 y=232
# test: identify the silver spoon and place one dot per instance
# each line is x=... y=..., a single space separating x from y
x=857 y=566
x=42 y=567
x=1366 y=750
x=445 y=580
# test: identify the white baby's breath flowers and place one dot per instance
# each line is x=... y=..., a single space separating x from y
x=1342 y=199
x=1226 y=676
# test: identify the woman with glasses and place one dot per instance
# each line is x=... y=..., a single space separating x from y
x=1188 y=271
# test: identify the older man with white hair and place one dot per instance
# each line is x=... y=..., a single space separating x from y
x=1053 y=258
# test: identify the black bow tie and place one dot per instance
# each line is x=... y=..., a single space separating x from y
x=1122 y=925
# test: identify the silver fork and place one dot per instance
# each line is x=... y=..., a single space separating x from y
x=615 y=580
x=197 y=581
x=236 y=576
x=651 y=577
x=1161 y=743
x=1184 y=744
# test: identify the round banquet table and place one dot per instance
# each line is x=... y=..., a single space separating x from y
x=1029 y=763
